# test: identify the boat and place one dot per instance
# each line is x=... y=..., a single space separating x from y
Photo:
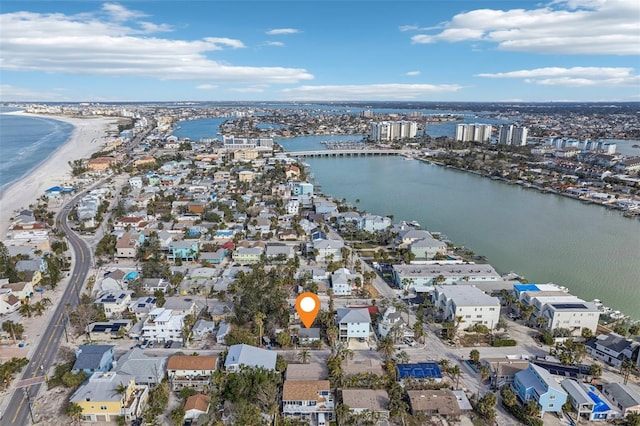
x=635 y=145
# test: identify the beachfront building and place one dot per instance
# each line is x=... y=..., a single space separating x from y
x=512 y=135
x=309 y=400
x=328 y=250
x=101 y=400
x=613 y=349
x=249 y=356
x=422 y=278
x=162 y=325
x=353 y=323
x=375 y=403
x=556 y=308
x=187 y=371
x=537 y=384
x=469 y=303
x=623 y=398
x=343 y=282
x=587 y=402
x=114 y=303
x=247 y=255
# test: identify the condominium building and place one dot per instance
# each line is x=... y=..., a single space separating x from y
x=512 y=135
x=473 y=132
x=392 y=130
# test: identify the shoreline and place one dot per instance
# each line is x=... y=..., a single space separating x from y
x=53 y=170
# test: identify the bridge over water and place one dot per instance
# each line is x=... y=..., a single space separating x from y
x=346 y=153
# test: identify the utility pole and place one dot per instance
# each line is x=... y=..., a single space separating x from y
x=26 y=394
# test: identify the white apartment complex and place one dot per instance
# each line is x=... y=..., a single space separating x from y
x=475 y=132
x=470 y=303
x=162 y=325
x=512 y=135
x=392 y=130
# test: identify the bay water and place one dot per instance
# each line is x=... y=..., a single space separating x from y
x=593 y=251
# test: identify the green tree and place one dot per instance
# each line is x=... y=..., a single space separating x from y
x=385 y=347
x=474 y=356
x=177 y=416
x=485 y=406
x=532 y=408
x=74 y=411
x=595 y=370
x=14 y=329
x=508 y=396
x=304 y=355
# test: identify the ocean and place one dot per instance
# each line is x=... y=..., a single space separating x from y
x=26 y=142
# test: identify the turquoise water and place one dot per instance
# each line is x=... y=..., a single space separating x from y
x=25 y=142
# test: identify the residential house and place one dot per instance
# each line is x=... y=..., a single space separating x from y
x=469 y=303
x=612 y=349
x=308 y=336
x=623 y=397
x=389 y=320
x=249 y=356
x=146 y=370
x=23 y=290
x=8 y=302
x=587 y=403
x=537 y=384
x=374 y=223
x=502 y=371
x=427 y=249
x=141 y=307
x=109 y=329
x=182 y=305
x=202 y=328
x=311 y=371
x=309 y=400
x=328 y=250
x=277 y=251
x=221 y=334
x=162 y=325
x=114 y=303
x=213 y=257
x=185 y=250
x=353 y=323
x=107 y=396
x=191 y=371
x=343 y=282
x=93 y=358
x=196 y=405
x=127 y=246
x=371 y=401
x=436 y=402
x=151 y=285
x=247 y=255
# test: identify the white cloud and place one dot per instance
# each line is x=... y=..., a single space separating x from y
x=413 y=73
x=206 y=86
x=11 y=93
x=120 y=13
x=82 y=44
x=282 y=31
x=247 y=90
x=368 y=92
x=573 y=77
x=275 y=43
x=608 y=27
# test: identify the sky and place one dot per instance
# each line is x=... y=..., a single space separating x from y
x=329 y=50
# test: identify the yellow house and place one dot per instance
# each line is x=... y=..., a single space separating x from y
x=105 y=396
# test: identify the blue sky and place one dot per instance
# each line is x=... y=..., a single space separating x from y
x=449 y=50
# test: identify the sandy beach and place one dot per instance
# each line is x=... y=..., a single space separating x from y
x=54 y=170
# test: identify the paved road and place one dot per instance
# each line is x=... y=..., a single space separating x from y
x=44 y=356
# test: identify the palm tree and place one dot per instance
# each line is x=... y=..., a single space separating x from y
x=304 y=356
x=444 y=364
x=25 y=309
x=258 y=320
x=402 y=357
x=385 y=347
x=38 y=309
x=332 y=334
x=456 y=372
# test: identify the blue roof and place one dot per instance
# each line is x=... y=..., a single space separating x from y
x=600 y=406
x=420 y=370
x=526 y=287
x=54 y=189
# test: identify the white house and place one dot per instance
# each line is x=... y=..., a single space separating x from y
x=162 y=325
x=343 y=282
x=249 y=356
x=390 y=319
x=353 y=323
x=114 y=303
x=470 y=303
x=310 y=400
x=326 y=250
x=612 y=348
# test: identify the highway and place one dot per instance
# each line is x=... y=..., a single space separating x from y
x=18 y=411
